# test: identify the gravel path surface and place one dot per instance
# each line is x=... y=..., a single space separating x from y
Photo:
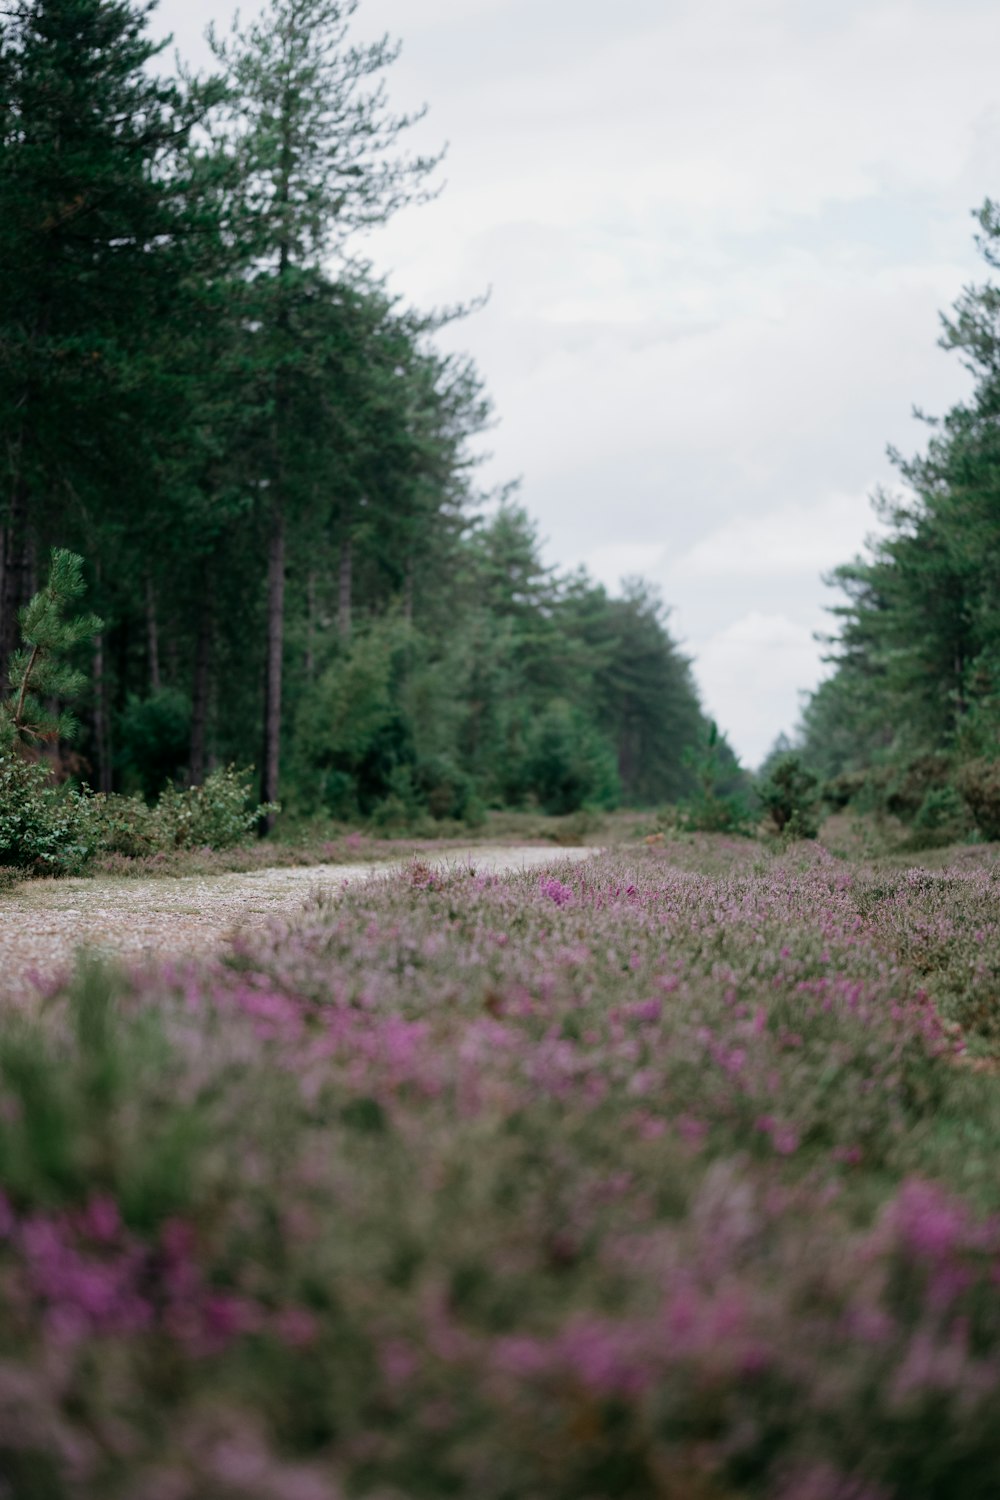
x=44 y=922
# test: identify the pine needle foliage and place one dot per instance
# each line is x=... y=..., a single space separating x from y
x=40 y=672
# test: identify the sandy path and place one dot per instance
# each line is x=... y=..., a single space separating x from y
x=44 y=922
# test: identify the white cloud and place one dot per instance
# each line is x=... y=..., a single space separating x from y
x=752 y=674
x=609 y=565
x=787 y=542
x=719 y=233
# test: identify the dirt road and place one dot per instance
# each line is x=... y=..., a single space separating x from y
x=44 y=922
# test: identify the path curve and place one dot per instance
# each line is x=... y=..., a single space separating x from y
x=43 y=923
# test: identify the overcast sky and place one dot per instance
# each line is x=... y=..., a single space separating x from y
x=718 y=235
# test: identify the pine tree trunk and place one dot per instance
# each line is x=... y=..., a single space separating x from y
x=344 y=590
x=152 y=637
x=102 y=746
x=15 y=574
x=275 y=649
x=200 y=688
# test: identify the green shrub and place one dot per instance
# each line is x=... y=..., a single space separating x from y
x=121 y=825
x=789 y=795
x=845 y=790
x=719 y=803
x=444 y=789
x=216 y=815
x=56 y=830
x=942 y=818
x=401 y=808
x=567 y=763
x=43 y=826
x=154 y=738
x=909 y=784
x=978 y=782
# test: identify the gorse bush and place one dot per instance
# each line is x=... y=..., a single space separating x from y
x=978 y=782
x=789 y=795
x=460 y=1185
x=942 y=818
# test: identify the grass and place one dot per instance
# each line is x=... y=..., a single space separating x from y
x=664 y=1176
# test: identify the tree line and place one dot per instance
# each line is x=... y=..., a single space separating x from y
x=264 y=459
x=911 y=712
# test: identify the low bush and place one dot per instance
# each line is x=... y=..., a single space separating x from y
x=719 y=803
x=217 y=814
x=942 y=818
x=978 y=782
x=44 y=826
x=908 y=785
x=789 y=795
x=55 y=829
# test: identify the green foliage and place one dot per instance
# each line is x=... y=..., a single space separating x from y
x=216 y=815
x=44 y=827
x=567 y=764
x=53 y=829
x=789 y=794
x=40 y=669
x=118 y=824
x=154 y=735
x=184 y=321
x=978 y=782
x=720 y=803
x=917 y=655
x=942 y=818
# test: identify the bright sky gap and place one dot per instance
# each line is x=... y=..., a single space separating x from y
x=718 y=235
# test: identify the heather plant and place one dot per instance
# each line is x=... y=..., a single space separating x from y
x=623 y=1178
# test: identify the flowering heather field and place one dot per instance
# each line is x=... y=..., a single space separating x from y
x=663 y=1176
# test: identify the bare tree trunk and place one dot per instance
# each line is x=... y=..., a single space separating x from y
x=16 y=575
x=275 y=649
x=152 y=637
x=310 y=661
x=201 y=688
x=102 y=742
x=344 y=590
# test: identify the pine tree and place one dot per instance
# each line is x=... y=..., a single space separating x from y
x=88 y=215
x=41 y=672
x=317 y=153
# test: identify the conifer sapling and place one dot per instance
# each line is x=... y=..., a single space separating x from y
x=39 y=671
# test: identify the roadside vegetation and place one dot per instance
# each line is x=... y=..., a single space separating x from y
x=672 y=1174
